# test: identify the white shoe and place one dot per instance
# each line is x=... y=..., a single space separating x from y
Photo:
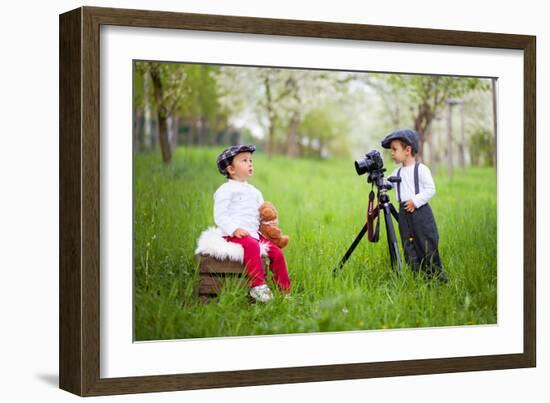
x=261 y=293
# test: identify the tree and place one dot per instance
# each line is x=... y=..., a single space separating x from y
x=138 y=104
x=324 y=130
x=259 y=91
x=307 y=91
x=495 y=120
x=201 y=106
x=167 y=89
x=427 y=96
x=391 y=96
x=142 y=93
x=481 y=147
x=279 y=98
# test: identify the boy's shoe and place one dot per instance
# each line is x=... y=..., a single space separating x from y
x=261 y=293
x=442 y=277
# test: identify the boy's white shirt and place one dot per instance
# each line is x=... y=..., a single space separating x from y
x=426 y=184
x=236 y=206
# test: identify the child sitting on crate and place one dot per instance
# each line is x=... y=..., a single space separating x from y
x=417 y=226
x=236 y=204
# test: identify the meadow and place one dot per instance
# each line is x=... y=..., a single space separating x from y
x=322 y=208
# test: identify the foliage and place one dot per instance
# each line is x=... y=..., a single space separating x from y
x=202 y=103
x=278 y=98
x=299 y=112
x=481 y=147
x=188 y=92
x=325 y=127
x=172 y=79
x=426 y=95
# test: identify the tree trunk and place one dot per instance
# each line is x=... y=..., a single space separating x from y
x=494 y=88
x=271 y=117
x=163 y=140
x=434 y=151
x=171 y=125
x=301 y=150
x=192 y=132
x=205 y=130
x=422 y=122
x=450 y=140
x=462 y=146
x=292 y=136
x=138 y=130
x=161 y=116
x=428 y=141
x=175 y=131
x=198 y=131
x=418 y=128
x=148 y=125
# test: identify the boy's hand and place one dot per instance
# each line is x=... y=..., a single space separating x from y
x=409 y=206
x=239 y=233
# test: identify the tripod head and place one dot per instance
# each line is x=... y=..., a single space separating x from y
x=376 y=177
x=389 y=183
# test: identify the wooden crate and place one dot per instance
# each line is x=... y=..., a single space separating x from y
x=214 y=272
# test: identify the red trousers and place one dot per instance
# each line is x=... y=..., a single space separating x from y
x=253 y=261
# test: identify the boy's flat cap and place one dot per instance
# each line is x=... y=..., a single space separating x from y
x=406 y=135
x=227 y=155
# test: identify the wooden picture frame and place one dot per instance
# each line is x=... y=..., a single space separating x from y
x=79 y=346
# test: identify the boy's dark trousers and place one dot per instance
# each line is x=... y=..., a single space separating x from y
x=420 y=239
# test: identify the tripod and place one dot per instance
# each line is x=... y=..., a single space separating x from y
x=372 y=213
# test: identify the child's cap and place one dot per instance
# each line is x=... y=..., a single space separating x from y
x=407 y=135
x=226 y=157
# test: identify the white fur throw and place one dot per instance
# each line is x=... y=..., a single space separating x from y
x=211 y=243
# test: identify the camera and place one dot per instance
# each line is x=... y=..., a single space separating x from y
x=371 y=163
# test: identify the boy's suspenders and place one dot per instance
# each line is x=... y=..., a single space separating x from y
x=416 y=182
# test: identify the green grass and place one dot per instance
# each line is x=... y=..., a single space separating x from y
x=322 y=208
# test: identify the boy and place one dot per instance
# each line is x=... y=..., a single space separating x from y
x=417 y=226
x=236 y=204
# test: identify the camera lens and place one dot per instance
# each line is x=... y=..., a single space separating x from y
x=361 y=166
x=372 y=162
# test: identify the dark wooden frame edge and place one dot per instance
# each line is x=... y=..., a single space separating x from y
x=79 y=323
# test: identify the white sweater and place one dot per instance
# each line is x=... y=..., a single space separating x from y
x=236 y=206
x=425 y=181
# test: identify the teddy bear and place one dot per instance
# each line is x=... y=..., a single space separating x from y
x=269 y=225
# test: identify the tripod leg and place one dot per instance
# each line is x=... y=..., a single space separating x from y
x=394 y=212
x=351 y=248
x=392 y=240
